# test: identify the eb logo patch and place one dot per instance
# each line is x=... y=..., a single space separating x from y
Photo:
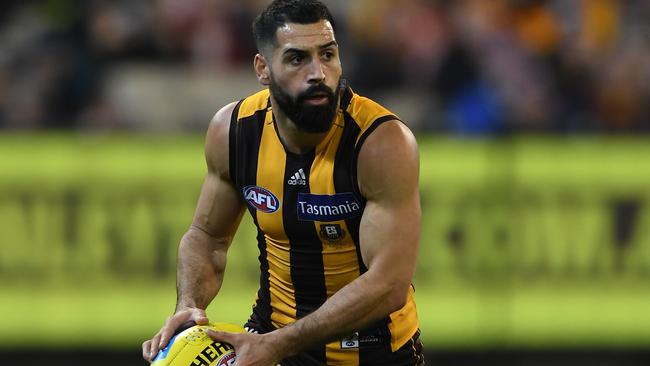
x=332 y=232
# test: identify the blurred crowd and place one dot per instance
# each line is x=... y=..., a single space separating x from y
x=486 y=67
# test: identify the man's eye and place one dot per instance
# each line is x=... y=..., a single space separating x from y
x=328 y=55
x=296 y=60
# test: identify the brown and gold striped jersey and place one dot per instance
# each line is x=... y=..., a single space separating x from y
x=307 y=209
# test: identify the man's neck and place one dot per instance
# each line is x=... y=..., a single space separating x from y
x=293 y=139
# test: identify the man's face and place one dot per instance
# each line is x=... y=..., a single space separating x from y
x=305 y=72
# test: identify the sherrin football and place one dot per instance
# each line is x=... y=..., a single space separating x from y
x=193 y=346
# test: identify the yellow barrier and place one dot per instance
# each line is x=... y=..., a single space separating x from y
x=117 y=206
x=521 y=239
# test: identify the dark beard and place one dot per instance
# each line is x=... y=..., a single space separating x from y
x=308 y=118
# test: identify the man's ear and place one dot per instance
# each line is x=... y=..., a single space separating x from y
x=262 y=69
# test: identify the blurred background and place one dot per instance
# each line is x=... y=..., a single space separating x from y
x=532 y=118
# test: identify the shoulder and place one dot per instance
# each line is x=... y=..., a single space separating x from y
x=388 y=161
x=216 y=140
x=220 y=123
x=254 y=103
x=365 y=112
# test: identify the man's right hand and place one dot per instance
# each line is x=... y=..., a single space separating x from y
x=151 y=347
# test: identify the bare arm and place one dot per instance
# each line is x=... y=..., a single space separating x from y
x=389 y=236
x=202 y=250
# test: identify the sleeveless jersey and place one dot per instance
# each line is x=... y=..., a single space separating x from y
x=307 y=209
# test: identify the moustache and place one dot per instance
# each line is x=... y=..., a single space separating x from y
x=316 y=90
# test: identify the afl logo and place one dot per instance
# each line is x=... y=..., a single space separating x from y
x=261 y=199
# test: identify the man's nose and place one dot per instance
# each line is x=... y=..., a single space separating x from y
x=316 y=74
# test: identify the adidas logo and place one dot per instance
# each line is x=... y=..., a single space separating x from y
x=298 y=179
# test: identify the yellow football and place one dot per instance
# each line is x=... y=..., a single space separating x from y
x=193 y=346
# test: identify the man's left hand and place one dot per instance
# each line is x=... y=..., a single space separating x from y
x=251 y=349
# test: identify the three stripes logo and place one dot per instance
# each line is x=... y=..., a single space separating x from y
x=298 y=179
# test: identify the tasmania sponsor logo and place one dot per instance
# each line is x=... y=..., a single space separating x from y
x=261 y=199
x=323 y=207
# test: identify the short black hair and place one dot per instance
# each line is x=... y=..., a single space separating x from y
x=281 y=12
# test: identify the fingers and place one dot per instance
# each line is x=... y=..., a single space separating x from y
x=155 y=345
x=251 y=349
x=170 y=327
x=199 y=317
x=179 y=319
x=146 y=350
x=225 y=337
x=151 y=347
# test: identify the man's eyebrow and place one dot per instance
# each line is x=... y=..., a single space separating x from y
x=302 y=51
x=328 y=44
x=294 y=50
